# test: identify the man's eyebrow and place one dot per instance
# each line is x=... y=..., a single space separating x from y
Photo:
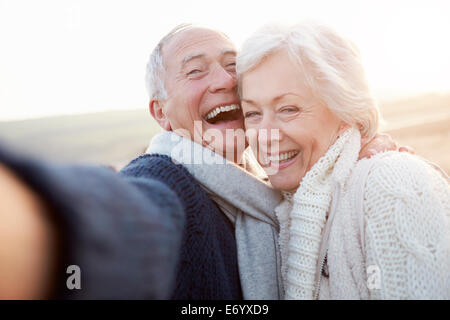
x=192 y=57
x=201 y=55
x=229 y=51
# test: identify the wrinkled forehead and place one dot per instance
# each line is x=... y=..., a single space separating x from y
x=196 y=41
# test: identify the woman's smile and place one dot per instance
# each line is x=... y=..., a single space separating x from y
x=283 y=160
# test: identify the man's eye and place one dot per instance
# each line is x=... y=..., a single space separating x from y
x=193 y=71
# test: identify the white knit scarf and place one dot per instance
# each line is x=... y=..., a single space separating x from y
x=303 y=216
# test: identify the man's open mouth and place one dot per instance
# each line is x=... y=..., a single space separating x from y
x=224 y=114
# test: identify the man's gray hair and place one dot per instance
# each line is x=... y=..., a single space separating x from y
x=330 y=63
x=154 y=75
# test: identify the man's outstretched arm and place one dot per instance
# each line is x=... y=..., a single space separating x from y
x=28 y=241
x=122 y=232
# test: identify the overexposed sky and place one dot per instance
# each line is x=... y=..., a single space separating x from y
x=66 y=56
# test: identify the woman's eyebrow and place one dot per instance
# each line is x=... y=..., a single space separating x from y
x=277 y=98
x=247 y=101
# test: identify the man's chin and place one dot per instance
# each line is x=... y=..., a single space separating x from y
x=226 y=139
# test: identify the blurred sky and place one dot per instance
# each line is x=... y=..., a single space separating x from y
x=63 y=56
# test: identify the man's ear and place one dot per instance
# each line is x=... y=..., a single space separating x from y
x=156 y=110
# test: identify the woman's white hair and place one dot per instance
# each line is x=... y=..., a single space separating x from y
x=330 y=64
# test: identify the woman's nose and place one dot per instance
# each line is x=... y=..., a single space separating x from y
x=269 y=134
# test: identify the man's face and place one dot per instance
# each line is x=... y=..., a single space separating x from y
x=201 y=84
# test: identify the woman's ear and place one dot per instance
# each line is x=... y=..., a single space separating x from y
x=157 y=112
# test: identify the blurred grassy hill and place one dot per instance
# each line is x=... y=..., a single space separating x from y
x=423 y=123
x=111 y=138
x=116 y=137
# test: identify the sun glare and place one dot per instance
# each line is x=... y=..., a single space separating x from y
x=61 y=57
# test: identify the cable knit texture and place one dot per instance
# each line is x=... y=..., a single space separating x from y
x=400 y=239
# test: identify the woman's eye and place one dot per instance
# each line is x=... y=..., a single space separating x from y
x=250 y=114
x=289 y=109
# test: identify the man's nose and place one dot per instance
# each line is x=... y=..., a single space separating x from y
x=222 y=80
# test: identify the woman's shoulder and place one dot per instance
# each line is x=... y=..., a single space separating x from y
x=403 y=188
x=399 y=162
x=406 y=211
x=400 y=173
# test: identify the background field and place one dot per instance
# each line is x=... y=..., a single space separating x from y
x=114 y=138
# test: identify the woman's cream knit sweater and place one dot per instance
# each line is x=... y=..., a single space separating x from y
x=377 y=228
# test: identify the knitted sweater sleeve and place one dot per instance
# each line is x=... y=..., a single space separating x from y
x=123 y=231
x=407 y=229
x=207 y=267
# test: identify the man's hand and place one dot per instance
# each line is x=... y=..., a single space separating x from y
x=27 y=241
x=380 y=143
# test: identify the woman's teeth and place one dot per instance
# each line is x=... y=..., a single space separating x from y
x=221 y=109
x=283 y=156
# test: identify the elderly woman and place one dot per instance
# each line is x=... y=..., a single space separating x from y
x=378 y=228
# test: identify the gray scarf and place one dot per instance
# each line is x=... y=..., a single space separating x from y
x=246 y=200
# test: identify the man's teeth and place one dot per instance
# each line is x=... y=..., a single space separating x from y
x=283 y=156
x=218 y=110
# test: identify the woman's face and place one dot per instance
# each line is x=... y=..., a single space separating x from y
x=275 y=96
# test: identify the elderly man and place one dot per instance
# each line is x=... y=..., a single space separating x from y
x=122 y=230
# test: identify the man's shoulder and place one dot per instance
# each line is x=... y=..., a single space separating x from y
x=153 y=165
x=164 y=169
